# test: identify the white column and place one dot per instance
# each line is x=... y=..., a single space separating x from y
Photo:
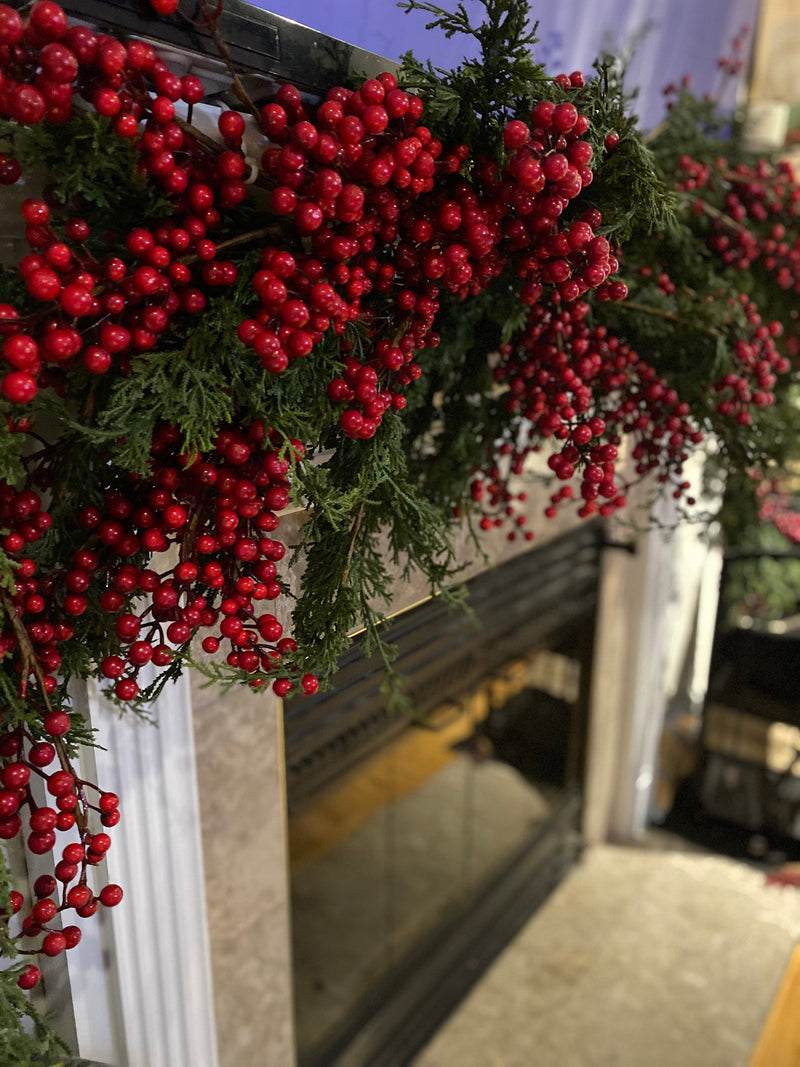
x=140 y=980
x=656 y=614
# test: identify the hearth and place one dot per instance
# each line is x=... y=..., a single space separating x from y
x=419 y=846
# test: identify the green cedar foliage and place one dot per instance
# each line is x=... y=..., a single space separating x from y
x=479 y=97
x=26 y=1038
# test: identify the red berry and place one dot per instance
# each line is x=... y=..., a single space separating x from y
x=72 y=935
x=43 y=819
x=48 y=19
x=10 y=170
x=79 y=896
x=74 y=852
x=127 y=689
x=10 y=826
x=44 y=911
x=106 y=102
x=29 y=107
x=59 y=63
x=43 y=285
x=108 y=802
x=101 y=843
x=45 y=885
x=66 y=871
x=41 y=843
x=60 y=783
x=29 y=977
x=54 y=943
x=231 y=125
x=57 y=723
x=11 y=25
x=15 y=775
x=35 y=212
x=516 y=134
x=310 y=684
x=564 y=117
x=110 y=895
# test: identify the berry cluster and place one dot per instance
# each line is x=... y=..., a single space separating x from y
x=582 y=390
x=763 y=201
x=389 y=218
x=756 y=221
x=779 y=507
x=66 y=811
x=100 y=313
x=216 y=509
x=392 y=223
x=549 y=167
x=758 y=364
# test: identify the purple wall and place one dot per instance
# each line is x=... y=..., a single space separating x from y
x=685 y=36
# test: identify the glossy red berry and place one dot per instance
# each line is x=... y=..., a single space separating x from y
x=110 y=895
x=54 y=943
x=30 y=977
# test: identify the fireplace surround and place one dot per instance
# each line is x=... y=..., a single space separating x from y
x=197 y=968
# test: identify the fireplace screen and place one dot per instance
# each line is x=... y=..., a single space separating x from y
x=419 y=847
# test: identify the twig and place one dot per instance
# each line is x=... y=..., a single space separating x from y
x=241 y=239
x=670 y=316
x=755 y=179
x=714 y=212
x=222 y=47
x=656 y=130
x=199 y=136
x=355 y=529
x=30 y=665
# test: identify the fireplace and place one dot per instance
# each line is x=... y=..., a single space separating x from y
x=419 y=845
x=207 y=946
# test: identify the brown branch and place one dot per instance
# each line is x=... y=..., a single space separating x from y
x=222 y=47
x=745 y=179
x=715 y=213
x=241 y=239
x=670 y=316
x=201 y=138
x=88 y=408
x=214 y=147
x=656 y=130
x=355 y=530
x=30 y=665
x=201 y=511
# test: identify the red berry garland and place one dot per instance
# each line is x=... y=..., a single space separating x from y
x=368 y=227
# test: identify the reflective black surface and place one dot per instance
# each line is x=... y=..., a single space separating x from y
x=268 y=45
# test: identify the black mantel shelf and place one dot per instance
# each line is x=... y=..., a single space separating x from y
x=262 y=44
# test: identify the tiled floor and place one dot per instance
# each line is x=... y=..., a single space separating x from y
x=652 y=956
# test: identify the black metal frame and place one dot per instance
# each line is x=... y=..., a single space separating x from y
x=408 y=1006
x=716 y=682
x=730 y=684
x=530 y=602
x=545 y=598
x=266 y=48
